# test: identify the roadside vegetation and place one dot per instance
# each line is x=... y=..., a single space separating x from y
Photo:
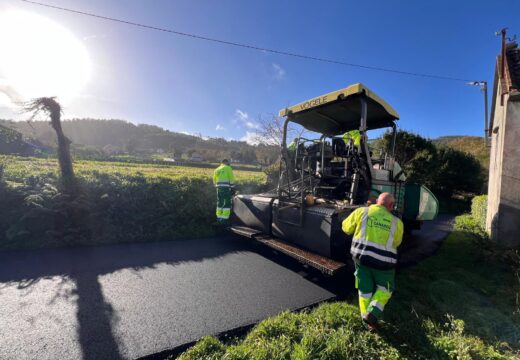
x=454 y=168
x=116 y=202
x=460 y=304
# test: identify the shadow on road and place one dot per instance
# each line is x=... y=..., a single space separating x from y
x=95 y=318
x=84 y=266
x=424 y=243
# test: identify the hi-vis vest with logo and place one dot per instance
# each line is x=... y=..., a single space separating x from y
x=223 y=176
x=376 y=235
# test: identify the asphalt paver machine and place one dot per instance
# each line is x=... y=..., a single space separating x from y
x=324 y=178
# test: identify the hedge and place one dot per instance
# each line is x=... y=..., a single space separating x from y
x=109 y=209
x=479 y=209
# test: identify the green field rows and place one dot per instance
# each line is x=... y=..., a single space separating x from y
x=17 y=168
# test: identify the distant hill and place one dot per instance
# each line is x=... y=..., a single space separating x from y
x=473 y=145
x=98 y=138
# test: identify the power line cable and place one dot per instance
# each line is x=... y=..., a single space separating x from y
x=248 y=46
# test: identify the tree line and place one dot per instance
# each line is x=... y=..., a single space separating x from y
x=441 y=168
x=95 y=138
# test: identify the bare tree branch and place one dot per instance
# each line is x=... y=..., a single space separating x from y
x=270 y=130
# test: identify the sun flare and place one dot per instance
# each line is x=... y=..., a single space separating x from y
x=40 y=57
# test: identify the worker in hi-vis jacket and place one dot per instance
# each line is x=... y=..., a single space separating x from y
x=224 y=180
x=377 y=234
x=354 y=135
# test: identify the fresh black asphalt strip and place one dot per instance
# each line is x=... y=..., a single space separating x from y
x=128 y=301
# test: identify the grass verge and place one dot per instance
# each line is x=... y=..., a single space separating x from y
x=460 y=304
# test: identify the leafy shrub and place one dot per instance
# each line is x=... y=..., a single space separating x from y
x=467 y=222
x=474 y=222
x=416 y=155
x=479 y=210
x=273 y=173
x=457 y=171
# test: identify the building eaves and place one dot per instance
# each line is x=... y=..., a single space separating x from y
x=507 y=74
x=513 y=65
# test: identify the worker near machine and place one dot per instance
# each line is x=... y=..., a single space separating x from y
x=291 y=150
x=293 y=146
x=377 y=234
x=355 y=135
x=224 y=180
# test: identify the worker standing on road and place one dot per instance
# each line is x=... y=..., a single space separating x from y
x=224 y=180
x=376 y=235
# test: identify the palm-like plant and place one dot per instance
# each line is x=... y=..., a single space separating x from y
x=52 y=108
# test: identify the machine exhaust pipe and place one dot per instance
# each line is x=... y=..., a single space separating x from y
x=354 y=187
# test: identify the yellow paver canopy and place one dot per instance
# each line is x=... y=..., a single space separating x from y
x=340 y=111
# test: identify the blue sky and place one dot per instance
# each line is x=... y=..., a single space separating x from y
x=189 y=85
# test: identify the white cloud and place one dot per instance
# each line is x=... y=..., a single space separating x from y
x=244 y=119
x=219 y=127
x=242 y=115
x=279 y=72
x=252 y=125
x=10 y=97
x=253 y=138
x=6 y=102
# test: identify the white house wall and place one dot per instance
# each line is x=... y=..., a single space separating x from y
x=503 y=216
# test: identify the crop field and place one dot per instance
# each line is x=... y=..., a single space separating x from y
x=17 y=168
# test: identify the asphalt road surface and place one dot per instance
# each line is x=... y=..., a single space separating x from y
x=129 y=301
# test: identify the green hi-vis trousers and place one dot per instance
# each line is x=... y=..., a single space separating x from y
x=374 y=289
x=223 y=202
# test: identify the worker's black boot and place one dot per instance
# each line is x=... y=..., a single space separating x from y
x=220 y=223
x=370 y=322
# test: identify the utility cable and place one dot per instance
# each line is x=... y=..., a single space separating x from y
x=248 y=46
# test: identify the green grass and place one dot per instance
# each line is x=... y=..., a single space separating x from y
x=459 y=304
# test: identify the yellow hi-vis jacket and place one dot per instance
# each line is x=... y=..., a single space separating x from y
x=355 y=135
x=377 y=234
x=293 y=145
x=223 y=176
